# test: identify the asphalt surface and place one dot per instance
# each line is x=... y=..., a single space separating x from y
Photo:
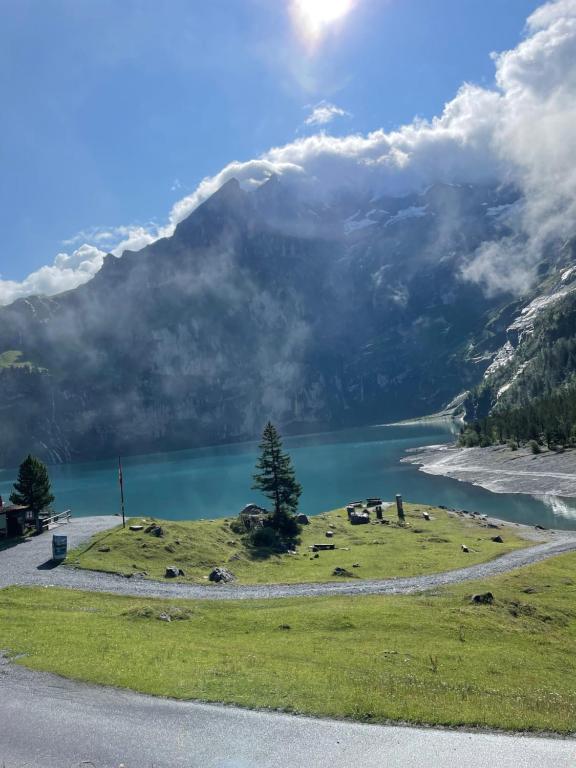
x=29 y=564
x=50 y=722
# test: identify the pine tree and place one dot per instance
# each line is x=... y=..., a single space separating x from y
x=32 y=488
x=275 y=478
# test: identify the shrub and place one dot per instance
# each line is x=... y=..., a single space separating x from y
x=265 y=538
x=237 y=526
x=534 y=447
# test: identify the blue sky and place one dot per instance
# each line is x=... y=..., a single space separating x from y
x=112 y=110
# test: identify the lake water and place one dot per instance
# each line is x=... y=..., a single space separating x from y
x=334 y=468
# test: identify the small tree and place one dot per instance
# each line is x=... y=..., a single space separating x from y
x=32 y=488
x=275 y=478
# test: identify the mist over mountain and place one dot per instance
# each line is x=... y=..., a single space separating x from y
x=261 y=306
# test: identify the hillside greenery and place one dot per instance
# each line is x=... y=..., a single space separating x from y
x=433 y=658
x=549 y=421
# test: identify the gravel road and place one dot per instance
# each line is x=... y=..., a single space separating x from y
x=29 y=563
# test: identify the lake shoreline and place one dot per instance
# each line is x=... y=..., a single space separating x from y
x=501 y=470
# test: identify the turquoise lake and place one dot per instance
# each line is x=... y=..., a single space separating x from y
x=334 y=468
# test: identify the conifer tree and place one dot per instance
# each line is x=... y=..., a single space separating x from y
x=32 y=488
x=275 y=478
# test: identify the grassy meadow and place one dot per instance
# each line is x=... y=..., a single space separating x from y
x=433 y=658
x=377 y=551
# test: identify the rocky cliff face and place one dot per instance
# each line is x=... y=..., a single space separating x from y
x=259 y=306
x=531 y=342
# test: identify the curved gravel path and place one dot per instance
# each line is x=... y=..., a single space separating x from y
x=29 y=564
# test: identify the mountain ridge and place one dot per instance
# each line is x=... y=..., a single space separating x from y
x=316 y=314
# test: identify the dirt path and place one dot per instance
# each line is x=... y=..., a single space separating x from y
x=28 y=564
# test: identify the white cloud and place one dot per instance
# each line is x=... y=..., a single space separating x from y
x=323 y=113
x=519 y=131
x=68 y=271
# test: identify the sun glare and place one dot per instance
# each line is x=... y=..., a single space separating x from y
x=313 y=17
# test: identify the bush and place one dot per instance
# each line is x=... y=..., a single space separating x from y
x=469 y=439
x=513 y=445
x=534 y=447
x=265 y=538
x=237 y=526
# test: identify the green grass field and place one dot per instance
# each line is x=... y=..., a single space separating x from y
x=12 y=358
x=433 y=658
x=380 y=551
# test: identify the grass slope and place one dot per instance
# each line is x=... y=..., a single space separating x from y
x=12 y=359
x=380 y=551
x=432 y=658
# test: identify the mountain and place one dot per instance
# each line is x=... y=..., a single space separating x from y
x=537 y=358
x=314 y=314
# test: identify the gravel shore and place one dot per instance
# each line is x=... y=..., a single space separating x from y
x=500 y=470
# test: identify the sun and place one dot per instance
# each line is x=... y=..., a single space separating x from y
x=314 y=17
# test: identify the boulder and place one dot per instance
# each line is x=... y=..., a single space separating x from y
x=172 y=572
x=485 y=598
x=136 y=527
x=340 y=572
x=155 y=530
x=165 y=617
x=103 y=549
x=221 y=576
x=497 y=539
x=329 y=534
x=465 y=548
x=302 y=519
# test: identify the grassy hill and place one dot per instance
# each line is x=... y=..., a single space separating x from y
x=364 y=551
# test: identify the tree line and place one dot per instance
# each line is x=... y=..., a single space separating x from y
x=549 y=421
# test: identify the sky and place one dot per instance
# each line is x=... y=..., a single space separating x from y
x=113 y=112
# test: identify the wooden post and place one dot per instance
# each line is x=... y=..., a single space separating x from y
x=400 y=507
x=121 y=481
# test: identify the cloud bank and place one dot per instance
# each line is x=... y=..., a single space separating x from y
x=521 y=131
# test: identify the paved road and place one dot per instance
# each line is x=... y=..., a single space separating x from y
x=28 y=563
x=49 y=722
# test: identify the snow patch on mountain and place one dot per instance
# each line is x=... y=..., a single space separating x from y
x=412 y=212
x=524 y=323
x=353 y=223
x=502 y=358
x=508 y=384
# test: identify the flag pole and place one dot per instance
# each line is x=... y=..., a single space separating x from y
x=121 y=481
